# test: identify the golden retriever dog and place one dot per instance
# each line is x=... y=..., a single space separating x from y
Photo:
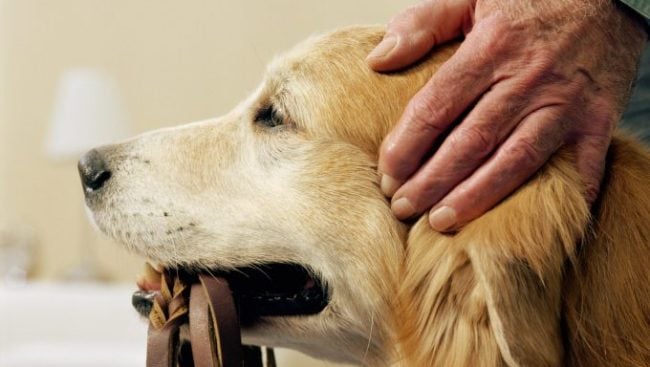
x=287 y=183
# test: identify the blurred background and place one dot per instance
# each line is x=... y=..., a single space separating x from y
x=77 y=73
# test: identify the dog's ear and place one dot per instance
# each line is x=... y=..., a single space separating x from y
x=490 y=295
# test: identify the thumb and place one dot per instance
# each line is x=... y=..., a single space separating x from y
x=413 y=32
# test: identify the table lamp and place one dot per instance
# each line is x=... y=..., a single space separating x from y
x=88 y=112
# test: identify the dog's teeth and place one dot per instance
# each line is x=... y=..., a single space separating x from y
x=149 y=279
x=151 y=273
x=157 y=267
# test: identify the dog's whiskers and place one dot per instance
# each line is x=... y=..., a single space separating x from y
x=372 y=324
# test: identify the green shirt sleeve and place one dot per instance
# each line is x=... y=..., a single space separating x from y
x=642 y=7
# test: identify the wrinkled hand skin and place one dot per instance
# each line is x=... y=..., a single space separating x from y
x=529 y=77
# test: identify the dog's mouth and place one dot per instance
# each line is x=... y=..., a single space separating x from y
x=267 y=290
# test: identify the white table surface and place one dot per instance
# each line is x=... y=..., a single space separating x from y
x=81 y=324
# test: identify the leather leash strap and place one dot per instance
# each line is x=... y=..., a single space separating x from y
x=214 y=332
x=213 y=317
x=168 y=314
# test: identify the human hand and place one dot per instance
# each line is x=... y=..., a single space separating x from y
x=530 y=77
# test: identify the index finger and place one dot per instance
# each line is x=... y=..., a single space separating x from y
x=452 y=89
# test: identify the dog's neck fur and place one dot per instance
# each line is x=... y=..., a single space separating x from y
x=447 y=306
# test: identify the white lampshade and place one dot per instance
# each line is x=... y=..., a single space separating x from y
x=88 y=112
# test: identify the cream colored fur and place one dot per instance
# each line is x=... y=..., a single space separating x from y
x=537 y=281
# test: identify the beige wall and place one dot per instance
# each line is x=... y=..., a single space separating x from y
x=176 y=61
x=3 y=134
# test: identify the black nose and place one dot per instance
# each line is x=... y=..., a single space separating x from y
x=93 y=171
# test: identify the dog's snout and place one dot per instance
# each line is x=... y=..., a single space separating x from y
x=93 y=171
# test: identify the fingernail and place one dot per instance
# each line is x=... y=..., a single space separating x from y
x=384 y=47
x=402 y=208
x=389 y=185
x=443 y=219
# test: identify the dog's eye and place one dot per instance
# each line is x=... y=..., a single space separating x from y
x=269 y=117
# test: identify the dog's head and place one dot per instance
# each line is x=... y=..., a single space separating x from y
x=288 y=177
